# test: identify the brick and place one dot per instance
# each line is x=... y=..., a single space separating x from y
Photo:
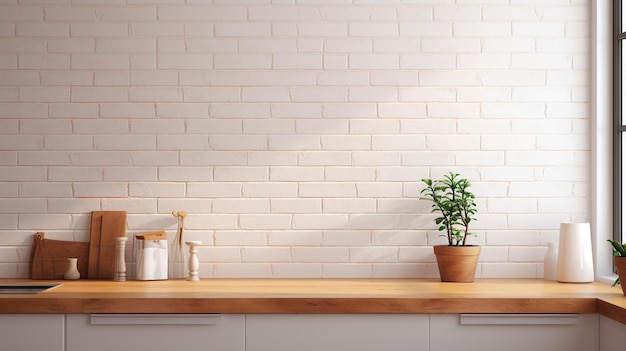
x=453 y=45
x=157 y=29
x=239 y=206
x=8 y=62
x=236 y=142
x=375 y=158
x=258 y=45
x=267 y=94
x=21 y=13
x=374 y=254
x=341 y=142
x=19 y=206
x=330 y=158
x=202 y=13
x=327 y=29
x=374 y=126
x=328 y=189
x=540 y=60
x=66 y=78
x=130 y=174
x=214 y=190
x=349 y=205
x=458 y=110
x=125 y=142
x=296 y=205
x=44 y=94
x=296 y=173
x=233 y=174
x=21 y=142
x=182 y=142
x=156 y=189
x=42 y=29
x=284 y=13
x=127 y=13
x=90 y=30
x=348 y=45
x=11 y=94
x=155 y=93
x=512 y=45
x=297 y=61
x=272 y=158
x=213 y=94
x=182 y=110
x=267 y=221
x=64 y=174
x=160 y=126
x=321 y=254
x=242 y=238
x=125 y=45
x=39 y=126
x=199 y=29
x=111 y=78
x=213 y=158
x=186 y=61
x=374 y=61
x=126 y=110
x=46 y=61
x=71 y=45
x=100 y=189
x=484 y=61
x=99 y=94
x=266 y=254
x=243 y=29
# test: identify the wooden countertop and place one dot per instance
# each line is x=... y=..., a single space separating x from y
x=319 y=296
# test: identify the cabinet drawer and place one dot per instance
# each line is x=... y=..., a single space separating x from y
x=517 y=332
x=27 y=332
x=155 y=332
x=360 y=332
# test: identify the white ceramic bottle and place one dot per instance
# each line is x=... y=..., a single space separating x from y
x=550 y=262
x=575 y=262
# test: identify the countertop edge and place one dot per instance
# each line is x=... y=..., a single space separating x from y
x=319 y=296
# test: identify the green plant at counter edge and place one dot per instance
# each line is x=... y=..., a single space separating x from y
x=619 y=250
x=451 y=198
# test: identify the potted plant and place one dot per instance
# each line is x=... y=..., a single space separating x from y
x=455 y=207
x=619 y=257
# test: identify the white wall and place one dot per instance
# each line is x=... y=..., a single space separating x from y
x=295 y=135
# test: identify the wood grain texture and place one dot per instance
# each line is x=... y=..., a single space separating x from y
x=48 y=258
x=320 y=296
x=105 y=227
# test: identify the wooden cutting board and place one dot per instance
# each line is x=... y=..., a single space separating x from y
x=48 y=259
x=105 y=227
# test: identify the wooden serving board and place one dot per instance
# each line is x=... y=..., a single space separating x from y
x=105 y=227
x=48 y=258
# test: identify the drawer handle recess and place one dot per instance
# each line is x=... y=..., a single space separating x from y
x=154 y=319
x=519 y=319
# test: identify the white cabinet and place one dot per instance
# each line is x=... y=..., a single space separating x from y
x=518 y=332
x=155 y=332
x=612 y=335
x=323 y=332
x=28 y=332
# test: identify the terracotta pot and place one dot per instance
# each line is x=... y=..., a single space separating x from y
x=620 y=264
x=457 y=263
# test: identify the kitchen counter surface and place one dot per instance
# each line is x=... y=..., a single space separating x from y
x=319 y=296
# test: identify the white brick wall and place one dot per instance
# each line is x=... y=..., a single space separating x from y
x=295 y=135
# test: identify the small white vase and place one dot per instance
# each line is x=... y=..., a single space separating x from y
x=550 y=262
x=575 y=262
x=72 y=272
